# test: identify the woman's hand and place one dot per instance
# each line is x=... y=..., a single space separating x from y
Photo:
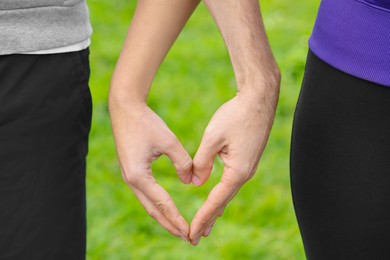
x=141 y=137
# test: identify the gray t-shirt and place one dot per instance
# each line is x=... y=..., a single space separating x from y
x=33 y=25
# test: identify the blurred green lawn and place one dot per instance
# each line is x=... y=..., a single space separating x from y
x=194 y=80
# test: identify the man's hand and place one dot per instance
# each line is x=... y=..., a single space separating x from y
x=141 y=137
x=238 y=133
x=239 y=130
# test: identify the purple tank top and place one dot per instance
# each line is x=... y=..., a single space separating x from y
x=354 y=36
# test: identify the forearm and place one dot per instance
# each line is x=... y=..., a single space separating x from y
x=154 y=28
x=242 y=29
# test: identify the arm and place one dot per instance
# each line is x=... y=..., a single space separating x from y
x=239 y=130
x=140 y=135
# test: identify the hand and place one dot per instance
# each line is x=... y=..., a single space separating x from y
x=141 y=137
x=238 y=133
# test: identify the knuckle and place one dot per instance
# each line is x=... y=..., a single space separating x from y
x=133 y=177
x=232 y=181
x=241 y=181
x=129 y=179
x=217 y=205
x=248 y=177
x=240 y=176
x=246 y=174
x=130 y=176
x=202 y=164
x=162 y=206
x=184 y=166
x=187 y=164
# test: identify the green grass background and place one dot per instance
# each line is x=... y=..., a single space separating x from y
x=194 y=80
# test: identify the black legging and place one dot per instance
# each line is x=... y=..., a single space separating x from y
x=340 y=165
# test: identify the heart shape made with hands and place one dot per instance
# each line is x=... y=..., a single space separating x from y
x=237 y=133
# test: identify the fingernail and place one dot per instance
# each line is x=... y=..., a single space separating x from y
x=196 y=241
x=195 y=180
x=187 y=179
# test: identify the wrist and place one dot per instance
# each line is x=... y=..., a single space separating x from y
x=262 y=85
x=261 y=93
x=258 y=74
x=121 y=96
x=118 y=102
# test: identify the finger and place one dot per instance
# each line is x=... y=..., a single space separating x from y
x=217 y=200
x=164 y=203
x=196 y=240
x=181 y=160
x=207 y=231
x=204 y=158
x=153 y=211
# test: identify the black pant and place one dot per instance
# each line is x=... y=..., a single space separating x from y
x=340 y=165
x=45 y=118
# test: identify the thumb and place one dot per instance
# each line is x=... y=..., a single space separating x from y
x=204 y=159
x=180 y=159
